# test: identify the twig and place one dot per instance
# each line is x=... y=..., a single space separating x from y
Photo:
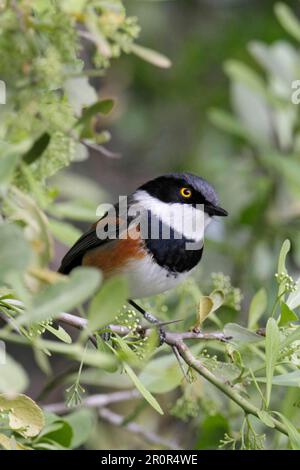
x=95 y=401
x=177 y=355
x=9 y=321
x=19 y=14
x=86 y=35
x=118 y=420
x=177 y=340
x=228 y=390
x=100 y=149
x=171 y=337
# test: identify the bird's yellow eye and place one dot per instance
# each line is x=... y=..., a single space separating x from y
x=185 y=192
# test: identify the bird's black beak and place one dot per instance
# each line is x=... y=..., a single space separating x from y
x=211 y=210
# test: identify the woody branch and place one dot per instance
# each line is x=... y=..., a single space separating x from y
x=177 y=341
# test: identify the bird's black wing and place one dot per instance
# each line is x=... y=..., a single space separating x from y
x=73 y=257
x=88 y=241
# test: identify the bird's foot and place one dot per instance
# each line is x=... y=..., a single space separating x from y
x=151 y=319
x=147 y=315
x=106 y=336
x=161 y=335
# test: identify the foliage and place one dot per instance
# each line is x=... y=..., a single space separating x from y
x=52 y=117
x=264 y=123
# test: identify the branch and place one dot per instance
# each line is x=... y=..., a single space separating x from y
x=171 y=338
x=118 y=420
x=100 y=149
x=177 y=340
x=95 y=401
x=227 y=389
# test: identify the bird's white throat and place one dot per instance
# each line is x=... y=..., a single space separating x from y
x=184 y=219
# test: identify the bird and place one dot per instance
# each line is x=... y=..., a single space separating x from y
x=158 y=249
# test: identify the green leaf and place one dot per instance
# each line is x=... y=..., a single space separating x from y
x=42 y=360
x=151 y=56
x=105 y=379
x=272 y=352
x=288 y=20
x=36 y=222
x=242 y=73
x=124 y=352
x=10 y=154
x=204 y=309
x=146 y=394
x=10 y=443
x=281 y=268
x=294 y=336
x=291 y=379
x=293 y=300
x=15 y=253
x=98 y=38
x=286 y=166
x=60 y=433
x=103 y=107
x=98 y=359
x=228 y=123
x=8 y=164
x=64 y=232
x=60 y=333
x=293 y=433
x=75 y=210
x=170 y=375
x=286 y=246
x=13 y=378
x=106 y=304
x=25 y=416
x=266 y=418
x=63 y=295
x=257 y=308
x=37 y=149
x=208 y=305
x=212 y=430
x=240 y=334
x=81 y=422
x=226 y=371
x=287 y=315
x=217 y=296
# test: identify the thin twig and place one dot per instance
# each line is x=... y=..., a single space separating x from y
x=100 y=149
x=118 y=420
x=179 y=360
x=228 y=390
x=95 y=401
x=171 y=337
x=177 y=340
x=19 y=14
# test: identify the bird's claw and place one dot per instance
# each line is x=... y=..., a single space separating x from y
x=161 y=336
x=106 y=336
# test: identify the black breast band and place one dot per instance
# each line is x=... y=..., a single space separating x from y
x=173 y=252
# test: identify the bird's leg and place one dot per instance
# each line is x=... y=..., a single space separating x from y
x=147 y=315
x=151 y=319
x=106 y=336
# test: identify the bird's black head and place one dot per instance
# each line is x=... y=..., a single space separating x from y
x=185 y=188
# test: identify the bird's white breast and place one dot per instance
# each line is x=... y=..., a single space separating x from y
x=145 y=278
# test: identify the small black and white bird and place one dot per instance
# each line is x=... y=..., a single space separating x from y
x=164 y=254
